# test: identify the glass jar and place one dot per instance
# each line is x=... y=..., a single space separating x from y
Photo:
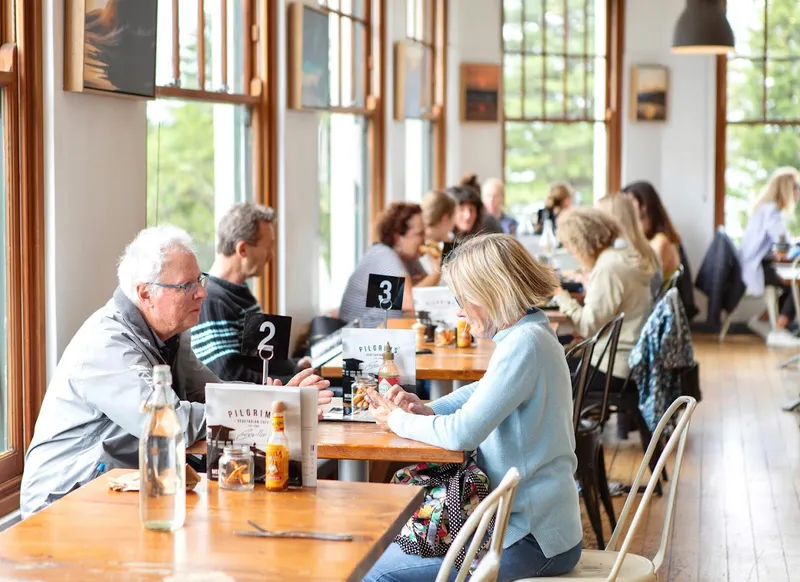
x=363 y=383
x=236 y=468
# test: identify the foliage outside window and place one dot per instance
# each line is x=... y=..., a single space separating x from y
x=760 y=101
x=555 y=77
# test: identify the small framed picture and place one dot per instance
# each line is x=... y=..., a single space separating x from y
x=649 y=88
x=309 y=69
x=480 y=92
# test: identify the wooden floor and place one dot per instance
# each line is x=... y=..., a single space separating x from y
x=737 y=515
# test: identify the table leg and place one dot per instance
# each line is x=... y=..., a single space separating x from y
x=440 y=388
x=350 y=470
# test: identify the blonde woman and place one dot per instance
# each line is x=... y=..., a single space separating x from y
x=619 y=281
x=518 y=415
x=621 y=209
x=766 y=226
x=559 y=198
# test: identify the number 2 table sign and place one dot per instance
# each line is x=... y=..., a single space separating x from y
x=267 y=337
x=385 y=292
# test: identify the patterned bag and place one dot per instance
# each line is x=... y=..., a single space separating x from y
x=452 y=492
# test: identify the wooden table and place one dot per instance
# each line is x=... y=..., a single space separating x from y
x=354 y=444
x=446 y=364
x=94 y=534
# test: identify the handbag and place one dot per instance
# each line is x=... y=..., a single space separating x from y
x=452 y=492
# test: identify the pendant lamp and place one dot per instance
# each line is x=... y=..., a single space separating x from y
x=702 y=29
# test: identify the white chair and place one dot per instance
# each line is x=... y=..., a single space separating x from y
x=609 y=565
x=770 y=297
x=795 y=280
x=498 y=505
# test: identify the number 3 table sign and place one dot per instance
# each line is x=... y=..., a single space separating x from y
x=385 y=292
x=267 y=337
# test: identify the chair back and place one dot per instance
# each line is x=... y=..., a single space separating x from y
x=671 y=283
x=796 y=285
x=496 y=505
x=677 y=440
x=613 y=328
x=582 y=353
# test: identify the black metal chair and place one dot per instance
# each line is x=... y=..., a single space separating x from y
x=671 y=283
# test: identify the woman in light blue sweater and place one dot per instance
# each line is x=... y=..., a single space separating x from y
x=518 y=415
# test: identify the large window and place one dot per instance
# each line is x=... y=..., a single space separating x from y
x=424 y=138
x=202 y=127
x=760 y=111
x=348 y=151
x=560 y=62
x=22 y=243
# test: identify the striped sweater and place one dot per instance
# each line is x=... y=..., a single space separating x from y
x=217 y=339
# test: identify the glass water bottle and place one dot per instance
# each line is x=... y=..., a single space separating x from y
x=162 y=459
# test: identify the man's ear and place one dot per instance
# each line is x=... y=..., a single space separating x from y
x=144 y=293
x=240 y=249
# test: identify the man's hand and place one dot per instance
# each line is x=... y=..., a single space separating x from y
x=408 y=401
x=307 y=378
x=304 y=363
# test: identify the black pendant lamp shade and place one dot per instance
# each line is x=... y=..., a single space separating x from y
x=703 y=29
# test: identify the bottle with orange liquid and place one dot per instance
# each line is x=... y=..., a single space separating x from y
x=277 y=461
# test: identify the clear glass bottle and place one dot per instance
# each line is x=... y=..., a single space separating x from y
x=277 y=462
x=162 y=459
x=388 y=373
x=236 y=468
x=548 y=242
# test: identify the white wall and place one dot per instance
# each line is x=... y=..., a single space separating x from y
x=95 y=190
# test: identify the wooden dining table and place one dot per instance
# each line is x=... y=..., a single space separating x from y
x=446 y=365
x=94 y=534
x=355 y=444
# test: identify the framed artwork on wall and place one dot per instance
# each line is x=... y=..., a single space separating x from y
x=110 y=47
x=480 y=92
x=649 y=92
x=309 y=68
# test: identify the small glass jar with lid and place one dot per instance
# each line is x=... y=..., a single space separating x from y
x=236 y=468
x=363 y=383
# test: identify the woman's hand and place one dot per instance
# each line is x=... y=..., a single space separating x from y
x=380 y=407
x=307 y=378
x=408 y=401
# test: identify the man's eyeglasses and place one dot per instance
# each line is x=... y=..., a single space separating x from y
x=187 y=288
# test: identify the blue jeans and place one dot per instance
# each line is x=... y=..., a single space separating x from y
x=523 y=559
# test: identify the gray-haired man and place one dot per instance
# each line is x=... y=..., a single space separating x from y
x=90 y=419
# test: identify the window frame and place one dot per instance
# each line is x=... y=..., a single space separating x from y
x=615 y=49
x=259 y=95
x=375 y=31
x=21 y=79
x=722 y=123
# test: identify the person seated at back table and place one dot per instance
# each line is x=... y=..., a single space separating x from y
x=618 y=282
x=493 y=194
x=518 y=415
x=400 y=233
x=558 y=198
x=765 y=227
x=438 y=209
x=90 y=421
x=245 y=245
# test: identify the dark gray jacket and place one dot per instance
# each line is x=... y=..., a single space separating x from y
x=91 y=419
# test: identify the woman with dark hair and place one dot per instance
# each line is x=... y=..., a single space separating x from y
x=400 y=233
x=657 y=226
x=471 y=217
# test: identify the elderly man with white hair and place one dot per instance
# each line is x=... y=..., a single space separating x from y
x=90 y=420
x=493 y=193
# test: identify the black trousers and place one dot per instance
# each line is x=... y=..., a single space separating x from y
x=785 y=302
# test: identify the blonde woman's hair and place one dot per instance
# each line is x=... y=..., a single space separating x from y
x=621 y=209
x=559 y=192
x=497 y=273
x=780 y=189
x=587 y=231
x=436 y=205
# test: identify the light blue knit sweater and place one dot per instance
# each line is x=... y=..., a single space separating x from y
x=518 y=415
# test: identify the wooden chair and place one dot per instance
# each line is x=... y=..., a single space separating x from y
x=497 y=506
x=610 y=565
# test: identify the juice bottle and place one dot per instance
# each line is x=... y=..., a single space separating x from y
x=277 y=461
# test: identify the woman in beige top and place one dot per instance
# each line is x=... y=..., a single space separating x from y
x=618 y=282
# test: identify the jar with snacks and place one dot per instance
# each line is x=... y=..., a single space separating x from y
x=445 y=335
x=419 y=334
x=463 y=335
x=236 y=468
x=363 y=383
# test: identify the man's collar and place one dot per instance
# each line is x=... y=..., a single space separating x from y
x=136 y=320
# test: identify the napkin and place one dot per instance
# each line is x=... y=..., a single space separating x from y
x=130 y=481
